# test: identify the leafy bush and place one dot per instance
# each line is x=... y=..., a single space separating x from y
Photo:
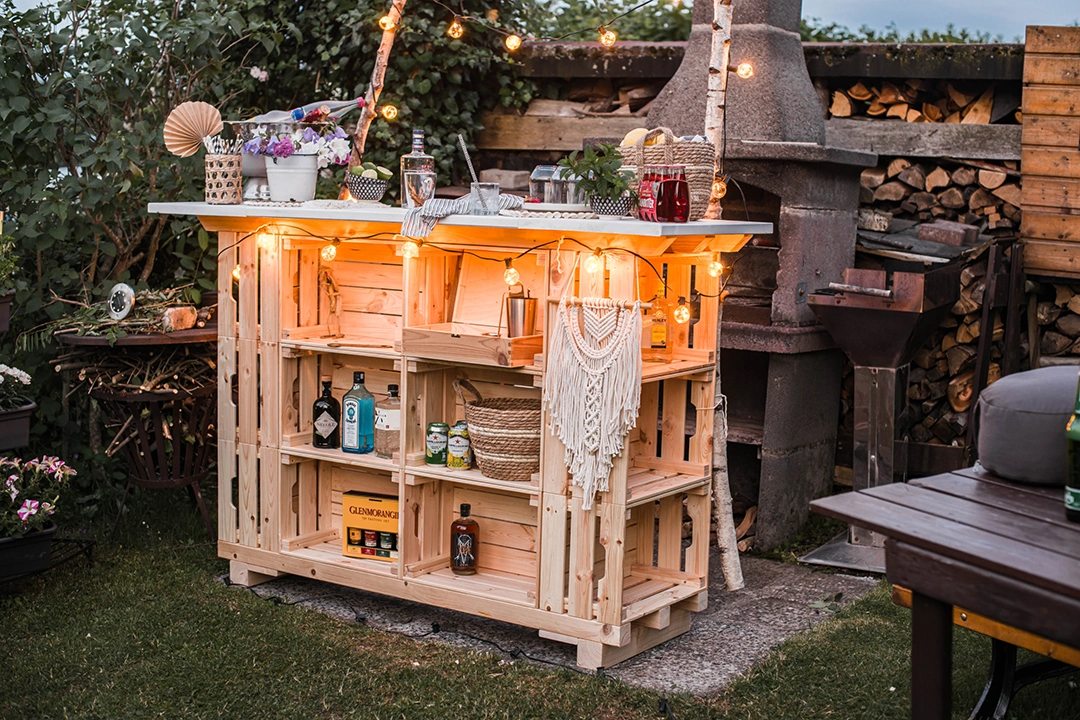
x=814 y=30
x=659 y=21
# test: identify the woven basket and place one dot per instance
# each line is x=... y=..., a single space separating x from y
x=505 y=434
x=698 y=157
x=224 y=183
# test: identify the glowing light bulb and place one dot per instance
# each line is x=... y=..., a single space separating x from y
x=594 y=263
x=265 y=241
x=719 y=188
x=715 y=267
x=455 y=29
x=329 y=252
x=236 y=273
x=513 y=42
x=409 y=249
x=386 y=22
x=511 y=276
x=682 y=313
x=607 y=37
x=389 y=112
x=745 y=70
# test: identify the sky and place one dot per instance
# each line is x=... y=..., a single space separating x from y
x=998 y=17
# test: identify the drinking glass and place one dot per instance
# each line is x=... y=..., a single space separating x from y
x=419 y=187
x=484 y=198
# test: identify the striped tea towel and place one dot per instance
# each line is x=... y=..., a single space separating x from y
x=419 y=222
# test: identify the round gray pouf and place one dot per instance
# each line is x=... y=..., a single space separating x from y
x=1020 y=421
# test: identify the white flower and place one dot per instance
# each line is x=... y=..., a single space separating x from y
x=340 y=148
x=263 y=76
x=308 y=148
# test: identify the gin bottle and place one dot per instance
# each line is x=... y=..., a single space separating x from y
x=388 y=424
x=417 y=174
x=358 y=424
x=327 y=414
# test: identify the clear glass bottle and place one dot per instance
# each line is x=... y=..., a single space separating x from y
x=388 y=424
x=464 y=543
x=417 y=174
x=1072 y=476
x=358 y=423
x=326 y=411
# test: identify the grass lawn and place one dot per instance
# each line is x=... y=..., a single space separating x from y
x=151 y=632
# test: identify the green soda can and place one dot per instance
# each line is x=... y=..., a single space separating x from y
x=459 y=450
x=435 y=443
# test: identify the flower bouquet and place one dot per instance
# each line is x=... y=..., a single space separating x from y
x=29 y=491
x=15 y=408
x=294 y=158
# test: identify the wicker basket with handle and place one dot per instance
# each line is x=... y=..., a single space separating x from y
x=504 y=432
x=698 y=157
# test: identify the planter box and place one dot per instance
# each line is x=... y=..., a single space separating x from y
x=15 y=426
x=27 y=554
x=5 y=309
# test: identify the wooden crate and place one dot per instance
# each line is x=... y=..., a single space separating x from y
x=1050 y=198
x=613 y=580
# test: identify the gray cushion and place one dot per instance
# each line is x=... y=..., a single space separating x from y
x=1021 y=422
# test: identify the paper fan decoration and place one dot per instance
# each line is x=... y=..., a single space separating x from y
x=188 y=124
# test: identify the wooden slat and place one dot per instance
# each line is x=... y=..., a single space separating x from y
x=1052 y=39
x=553 y=523
x=1010 y=498
x=1051 y=100
x=371 y=300
x=1052 y=69
x=270 y=394
x=512 y=132
x=648 y=415
x=307 y=497
x=1049 y=226
x=582 y=532
x=248 y=507
x=613 y=538
x=1052 y=131
x=1058 y=194
x=669 y=536
x=1051 y=162
x=644 y=518
x=1060 y=259
x=673 y=435
x=697 y=555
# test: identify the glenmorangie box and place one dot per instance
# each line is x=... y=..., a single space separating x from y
x=369 y=526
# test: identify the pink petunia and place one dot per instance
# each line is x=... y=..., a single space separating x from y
x=29 y=507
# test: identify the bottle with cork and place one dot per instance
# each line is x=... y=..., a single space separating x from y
x=464 y=543
x=388 y=424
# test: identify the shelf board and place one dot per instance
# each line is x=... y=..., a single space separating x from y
x=330 y=552
x=644 y=485
x=745 y=431
x=467 y=477
x=515 y=589
x=655 y=371
x=339 y=346
x=420 y=364
x=367 y=460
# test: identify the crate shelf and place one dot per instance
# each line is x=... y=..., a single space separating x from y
x=330 y=552
x=647 y=485
x=338 y=346
x=419 y=474
x=369 y=461
x=491 y=584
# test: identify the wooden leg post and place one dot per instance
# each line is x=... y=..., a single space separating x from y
x=931 y=658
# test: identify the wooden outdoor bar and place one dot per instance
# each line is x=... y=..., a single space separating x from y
x=613 y=580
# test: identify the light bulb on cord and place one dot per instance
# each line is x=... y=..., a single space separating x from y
x=682 y=313
x=389 y=112
x=455 y=29
x=594 y=263
x=513 y=42
x=386 y=22
x=264 y=240
x=715 y=267
x=719 y=187
x=511 y=276
x=236 y=273
x=329 y=252
x=745 y=70
x=409 y=248
x=607 y=37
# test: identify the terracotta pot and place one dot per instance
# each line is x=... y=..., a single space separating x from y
x=15 y=426
x=5 y=309
x=27 y=554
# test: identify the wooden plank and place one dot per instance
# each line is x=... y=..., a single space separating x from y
x=673 y=434
x=697 y=555
x=705 y=328
x=1052 y=39
x=325 y=498
x=384 y=329
x=669 y=536
x=270 y=500
x=1052 y=131
x=648 y=417
x=644 y=518
x=582 y=532
x=1051 y=100
x=1058 y=194
x=371 y=300
x=1052 y=69
x=511 y=132
x=307 y=497
x=1049 y=226
x=613 y=538
x=931 y=140
x=270 y=395
x=308 y=294
x=1060 y=259
x=1011 y=498
x=553 y=543
x=1051 y=162
x=701 y=442
x=592 y=655
x=248 y=508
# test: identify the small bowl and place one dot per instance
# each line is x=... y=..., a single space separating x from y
x=369 y=189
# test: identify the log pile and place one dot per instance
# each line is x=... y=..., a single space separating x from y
x=986 y=195
x=600 y=97
x=917 y=100
x=1055 y=309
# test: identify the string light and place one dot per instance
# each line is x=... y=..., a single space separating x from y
x=715 y=267
x=265 y=241
x=719 y=188
x=513 y=42
x=386 y=22
x=455 y=29
x=329 y=252
x=236 y=273
x=745 y=70
x=607 y=37
x=409 y=247
x=389 y=112
x=593 y=263
x=511 y=276
x=682 y=312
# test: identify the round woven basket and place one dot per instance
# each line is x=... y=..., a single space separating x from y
x=699 y=158
x=505 y=434
x=224 y=181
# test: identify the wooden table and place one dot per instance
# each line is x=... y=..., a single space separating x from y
x=971 y=540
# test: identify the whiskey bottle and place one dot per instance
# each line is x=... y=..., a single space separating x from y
x=388 y=424
x=327 y=413
x=464 y=543
x=358 y=424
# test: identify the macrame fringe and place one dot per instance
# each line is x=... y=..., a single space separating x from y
x=592 y=386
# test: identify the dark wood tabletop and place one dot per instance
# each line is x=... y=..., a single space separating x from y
x=972 y=540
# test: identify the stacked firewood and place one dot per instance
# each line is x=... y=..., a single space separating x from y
x=1057 y=315
x=918 y=100
x=601 y=97
x=986 y=195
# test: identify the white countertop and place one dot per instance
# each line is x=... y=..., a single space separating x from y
x=377 y=213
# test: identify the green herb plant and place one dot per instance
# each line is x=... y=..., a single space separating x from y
x=600 y=172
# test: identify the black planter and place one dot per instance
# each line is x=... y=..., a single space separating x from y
x=612 y=207
x=27 y=554
x=15 y=426
x=5 y=309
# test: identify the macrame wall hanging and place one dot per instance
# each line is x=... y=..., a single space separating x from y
x=592 y=386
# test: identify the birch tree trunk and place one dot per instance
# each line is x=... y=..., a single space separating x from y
x=714 y=130
x=382 y=57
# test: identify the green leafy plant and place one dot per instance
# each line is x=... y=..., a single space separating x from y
x=13 y=384
x=600 y=172
x=29 y=492
x=8 y=262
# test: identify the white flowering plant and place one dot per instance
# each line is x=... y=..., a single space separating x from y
x=13 y=384
x=29 y=491
x=326 y=140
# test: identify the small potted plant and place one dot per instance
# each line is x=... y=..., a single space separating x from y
x=15 y=408
x=8 y=260
x=294 y=159
x=601 y=177
x=368 y=181
x=29 y=491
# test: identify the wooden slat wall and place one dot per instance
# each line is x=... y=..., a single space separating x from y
x=1051 y=152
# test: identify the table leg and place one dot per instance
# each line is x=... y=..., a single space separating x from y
x=931 y=658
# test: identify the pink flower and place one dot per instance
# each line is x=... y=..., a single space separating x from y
x=258 y=73
x=29 y=507
x=48 y=508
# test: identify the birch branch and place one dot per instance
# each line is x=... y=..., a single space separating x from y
x=726 y=539
x=716 y=103
x=382 y=58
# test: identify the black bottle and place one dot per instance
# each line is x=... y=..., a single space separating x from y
x=326 y=413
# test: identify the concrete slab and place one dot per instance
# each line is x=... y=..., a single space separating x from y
x=736 y=631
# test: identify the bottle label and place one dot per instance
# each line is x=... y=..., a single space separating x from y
x=436 y=443
x=1072 y=498
x=325 y=425
x=350 y=427
x=387 y=419
x=463 y=550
